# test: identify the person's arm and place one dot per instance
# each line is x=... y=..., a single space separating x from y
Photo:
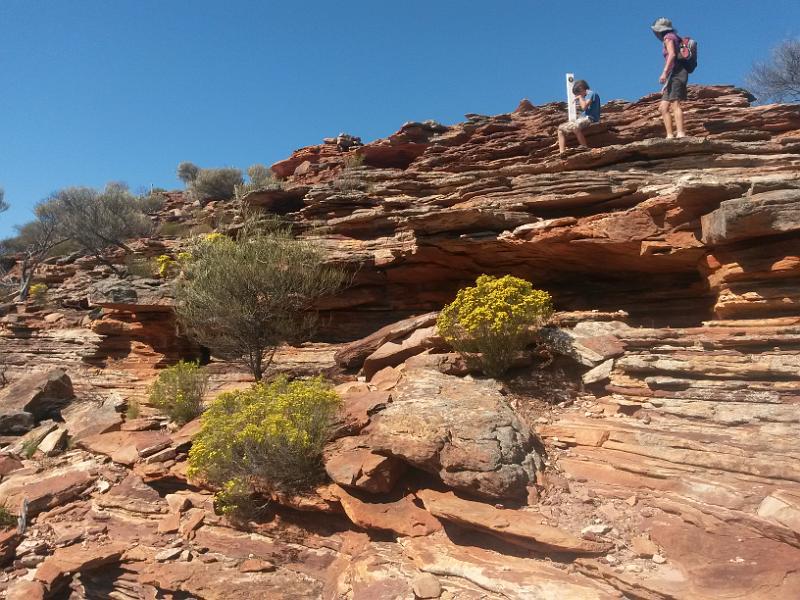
x=669 y=62
x=584 y=102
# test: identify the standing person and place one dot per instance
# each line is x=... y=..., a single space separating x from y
x=589 y=103
x=674 y=77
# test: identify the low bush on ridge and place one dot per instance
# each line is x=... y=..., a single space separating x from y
x=491 y=322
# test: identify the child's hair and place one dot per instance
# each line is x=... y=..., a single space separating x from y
x=580 y=86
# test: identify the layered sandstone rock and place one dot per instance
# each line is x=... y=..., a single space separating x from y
x=669 y=459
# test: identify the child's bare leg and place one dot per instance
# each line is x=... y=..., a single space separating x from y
x=663 y=107
x=562 y=142
x=677 y=111
x=581 y=138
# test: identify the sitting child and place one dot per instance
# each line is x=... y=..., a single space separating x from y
x=589 y=103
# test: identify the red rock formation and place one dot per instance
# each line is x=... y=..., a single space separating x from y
x=670 y=440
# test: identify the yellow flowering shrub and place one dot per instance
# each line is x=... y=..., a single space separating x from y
x=268 y=437
x=38 y=292
x=211 y=238
x=178 y=391
x=494 y=320
x=164 y=264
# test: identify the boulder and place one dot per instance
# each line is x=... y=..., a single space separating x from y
x=599 y=373
x=9 y=540
x=782 y=507
x=127 y=447
x=9 y=464
x=380 y=570
x=24 y=589
x=765 y=214
x=426 y=585
x=517 y=527
x=349 y=463
x=42 y=394
x=83 y=419
x=496 y=575
x=462 y=430
x=402 y=517
x=14 y=421
x=357 y=410
x=66 y=562
x=394 y=353
x=44 y=491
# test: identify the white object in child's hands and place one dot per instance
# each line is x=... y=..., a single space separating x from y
x=573 y=110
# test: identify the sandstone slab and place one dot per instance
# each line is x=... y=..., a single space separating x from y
x=48 y=490
x=514 y=526
x=354 y=354
x=42 y=394
x=402 y=517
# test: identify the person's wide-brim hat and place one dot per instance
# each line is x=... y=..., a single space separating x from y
x=661 y=25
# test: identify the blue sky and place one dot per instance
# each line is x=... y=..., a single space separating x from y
x=97 y=90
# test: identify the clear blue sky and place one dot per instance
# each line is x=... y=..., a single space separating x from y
x=123 y=90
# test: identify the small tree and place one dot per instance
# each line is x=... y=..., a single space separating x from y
x=187 y=172
x=32 y=245
x=178 y=391
x=267 y=438
x=98 y=220
x=242 y=298
x=778 y=79
x=490 y=323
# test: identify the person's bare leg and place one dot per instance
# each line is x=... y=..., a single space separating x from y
x=581 y=138
x=663 y=107
x=562 y=142
x=677 y=111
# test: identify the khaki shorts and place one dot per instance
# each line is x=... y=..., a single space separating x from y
x=579 y=123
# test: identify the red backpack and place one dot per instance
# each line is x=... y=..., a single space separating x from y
x=687 y=53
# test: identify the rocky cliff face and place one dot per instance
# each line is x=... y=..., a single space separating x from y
x=654 y=457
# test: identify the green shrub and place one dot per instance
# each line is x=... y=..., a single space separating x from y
x=349 y=180
x=201 y=228
x=261 y=178
x=133 y=410
x=215 y=184
x=152 y=202
x=178 y=392
x=353 y=160
x=140 y=266
x=490 y=323
x=173 y=229
x=266 y=438
x=29 y=448
x=7 y=518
